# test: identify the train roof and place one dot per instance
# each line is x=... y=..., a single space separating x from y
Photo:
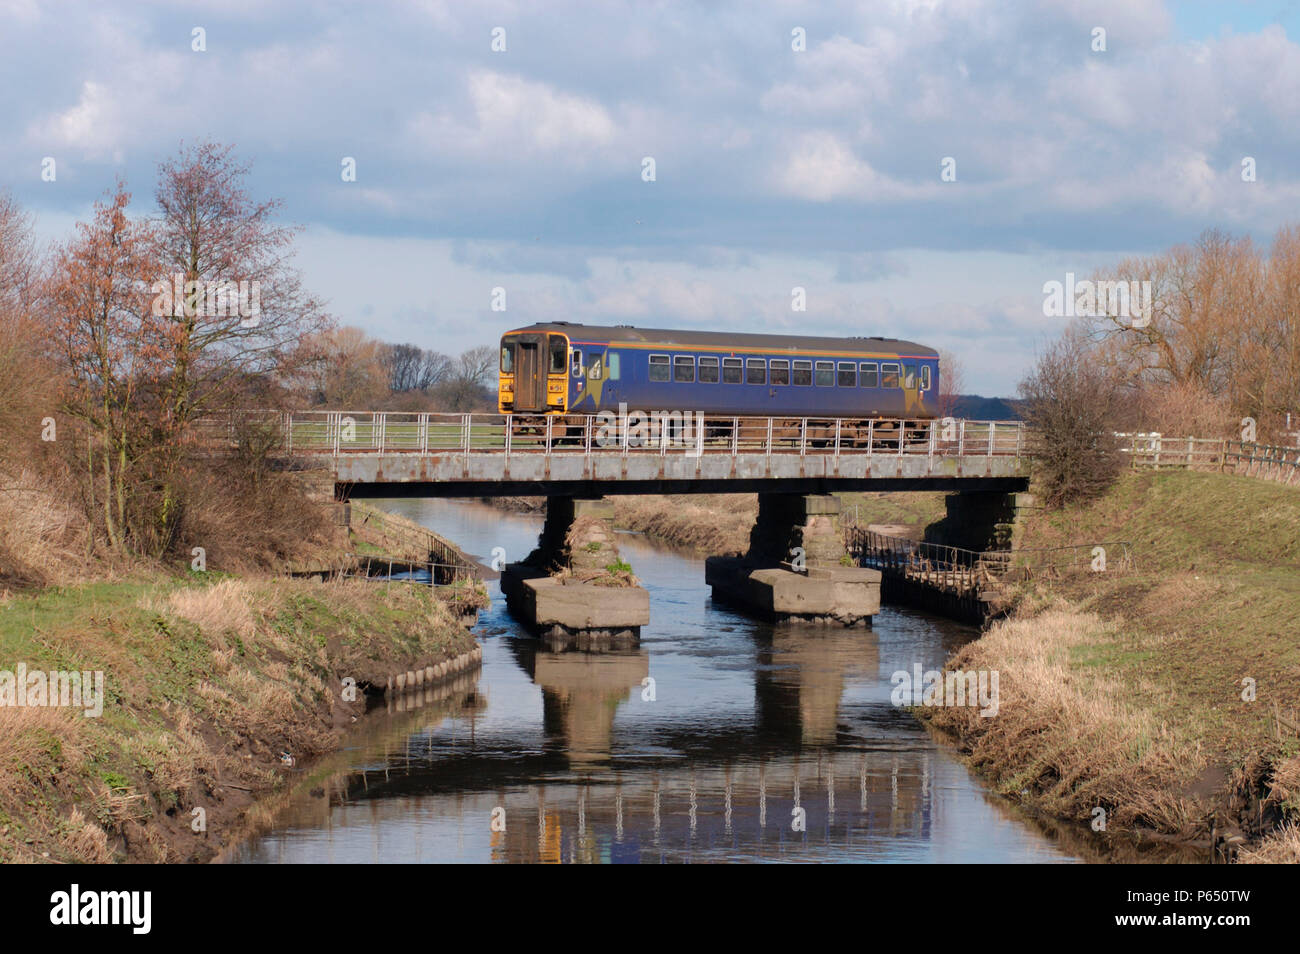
x=733 y=340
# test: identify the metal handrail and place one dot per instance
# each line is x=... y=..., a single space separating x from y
x=340 y=433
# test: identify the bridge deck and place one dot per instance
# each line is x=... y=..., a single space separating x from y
x=475 y=455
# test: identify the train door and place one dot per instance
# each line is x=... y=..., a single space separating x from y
x=530 y=375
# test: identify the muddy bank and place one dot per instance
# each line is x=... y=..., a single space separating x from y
x=216 y=692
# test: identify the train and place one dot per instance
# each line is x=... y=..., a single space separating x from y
x=567 y=370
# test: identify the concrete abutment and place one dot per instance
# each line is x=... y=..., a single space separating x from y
x=573 y=590
x=797 y=567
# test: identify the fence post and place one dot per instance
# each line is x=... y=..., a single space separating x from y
x=993 y=433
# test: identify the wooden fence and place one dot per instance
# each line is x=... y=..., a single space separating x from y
x=1265 y=461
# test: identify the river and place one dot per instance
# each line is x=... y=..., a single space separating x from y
x=720 y=739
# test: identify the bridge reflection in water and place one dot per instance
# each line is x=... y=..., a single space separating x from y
x=748 y=723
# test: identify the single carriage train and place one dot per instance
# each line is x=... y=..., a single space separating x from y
x=871 y=385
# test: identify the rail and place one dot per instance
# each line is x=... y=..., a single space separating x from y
x=342 y=433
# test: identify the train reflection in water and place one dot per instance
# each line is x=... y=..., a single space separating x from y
x=756 y=743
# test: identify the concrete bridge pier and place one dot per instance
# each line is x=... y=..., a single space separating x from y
x=571 y=590
x=981 y=520
x=796 y=567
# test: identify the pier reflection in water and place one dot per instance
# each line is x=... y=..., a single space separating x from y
x=720 y=738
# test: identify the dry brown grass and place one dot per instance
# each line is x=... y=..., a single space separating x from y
x=708 y=523
x=85 y=840
x=1280 y=848
x=42 y=538
x=1070 y=738
x=28 y=739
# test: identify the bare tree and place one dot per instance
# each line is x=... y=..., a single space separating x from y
x=411 y=368
x=215 y=244
x=1070 y=403
x=952 y=381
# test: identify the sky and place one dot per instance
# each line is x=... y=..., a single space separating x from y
x=794 y=145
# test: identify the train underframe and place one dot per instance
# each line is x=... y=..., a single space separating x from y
x=877 y=434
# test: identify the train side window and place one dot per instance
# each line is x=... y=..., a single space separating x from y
x=755 y=371
x=576 y=363
x=659 y=367
x=596 y=369
x=847 y=376
x=909 y=376
x=559 y=351
x=868 y=375
x=925 y=377
x=708 y=370
x=825 y=374
x=613 y=363
x=683 y=368
x=889 y=375
x=803 y=373
x=780 y=371
x=732 y=370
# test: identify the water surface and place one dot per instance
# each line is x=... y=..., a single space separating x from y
x=750 y=742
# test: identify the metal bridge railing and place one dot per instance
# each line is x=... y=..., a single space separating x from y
x=962 y=571
x=337 y=433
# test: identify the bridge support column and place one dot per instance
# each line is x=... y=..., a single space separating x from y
x=794 y=527
x=980 y=520
x=572 y=590
x=795 y=568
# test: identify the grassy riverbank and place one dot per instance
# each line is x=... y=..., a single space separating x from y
x=211 y=686
x=1123 y=690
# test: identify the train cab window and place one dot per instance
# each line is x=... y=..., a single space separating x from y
x=708 y=370
x=575 y=363
x=508 y=359
x=779 y=372
x=559 y=351
x=825 y=374
x=659 y=367
x=755 y=371
x=889 y=375
x=847 y=375
x=925 y=377
x=909 y=376
x=803 y=373
x=732 y=370
x=683 y=368
x=613 y=364
x=868 y=376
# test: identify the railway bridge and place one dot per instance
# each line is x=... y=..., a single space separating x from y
x=386 y=454
x=796 y=567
